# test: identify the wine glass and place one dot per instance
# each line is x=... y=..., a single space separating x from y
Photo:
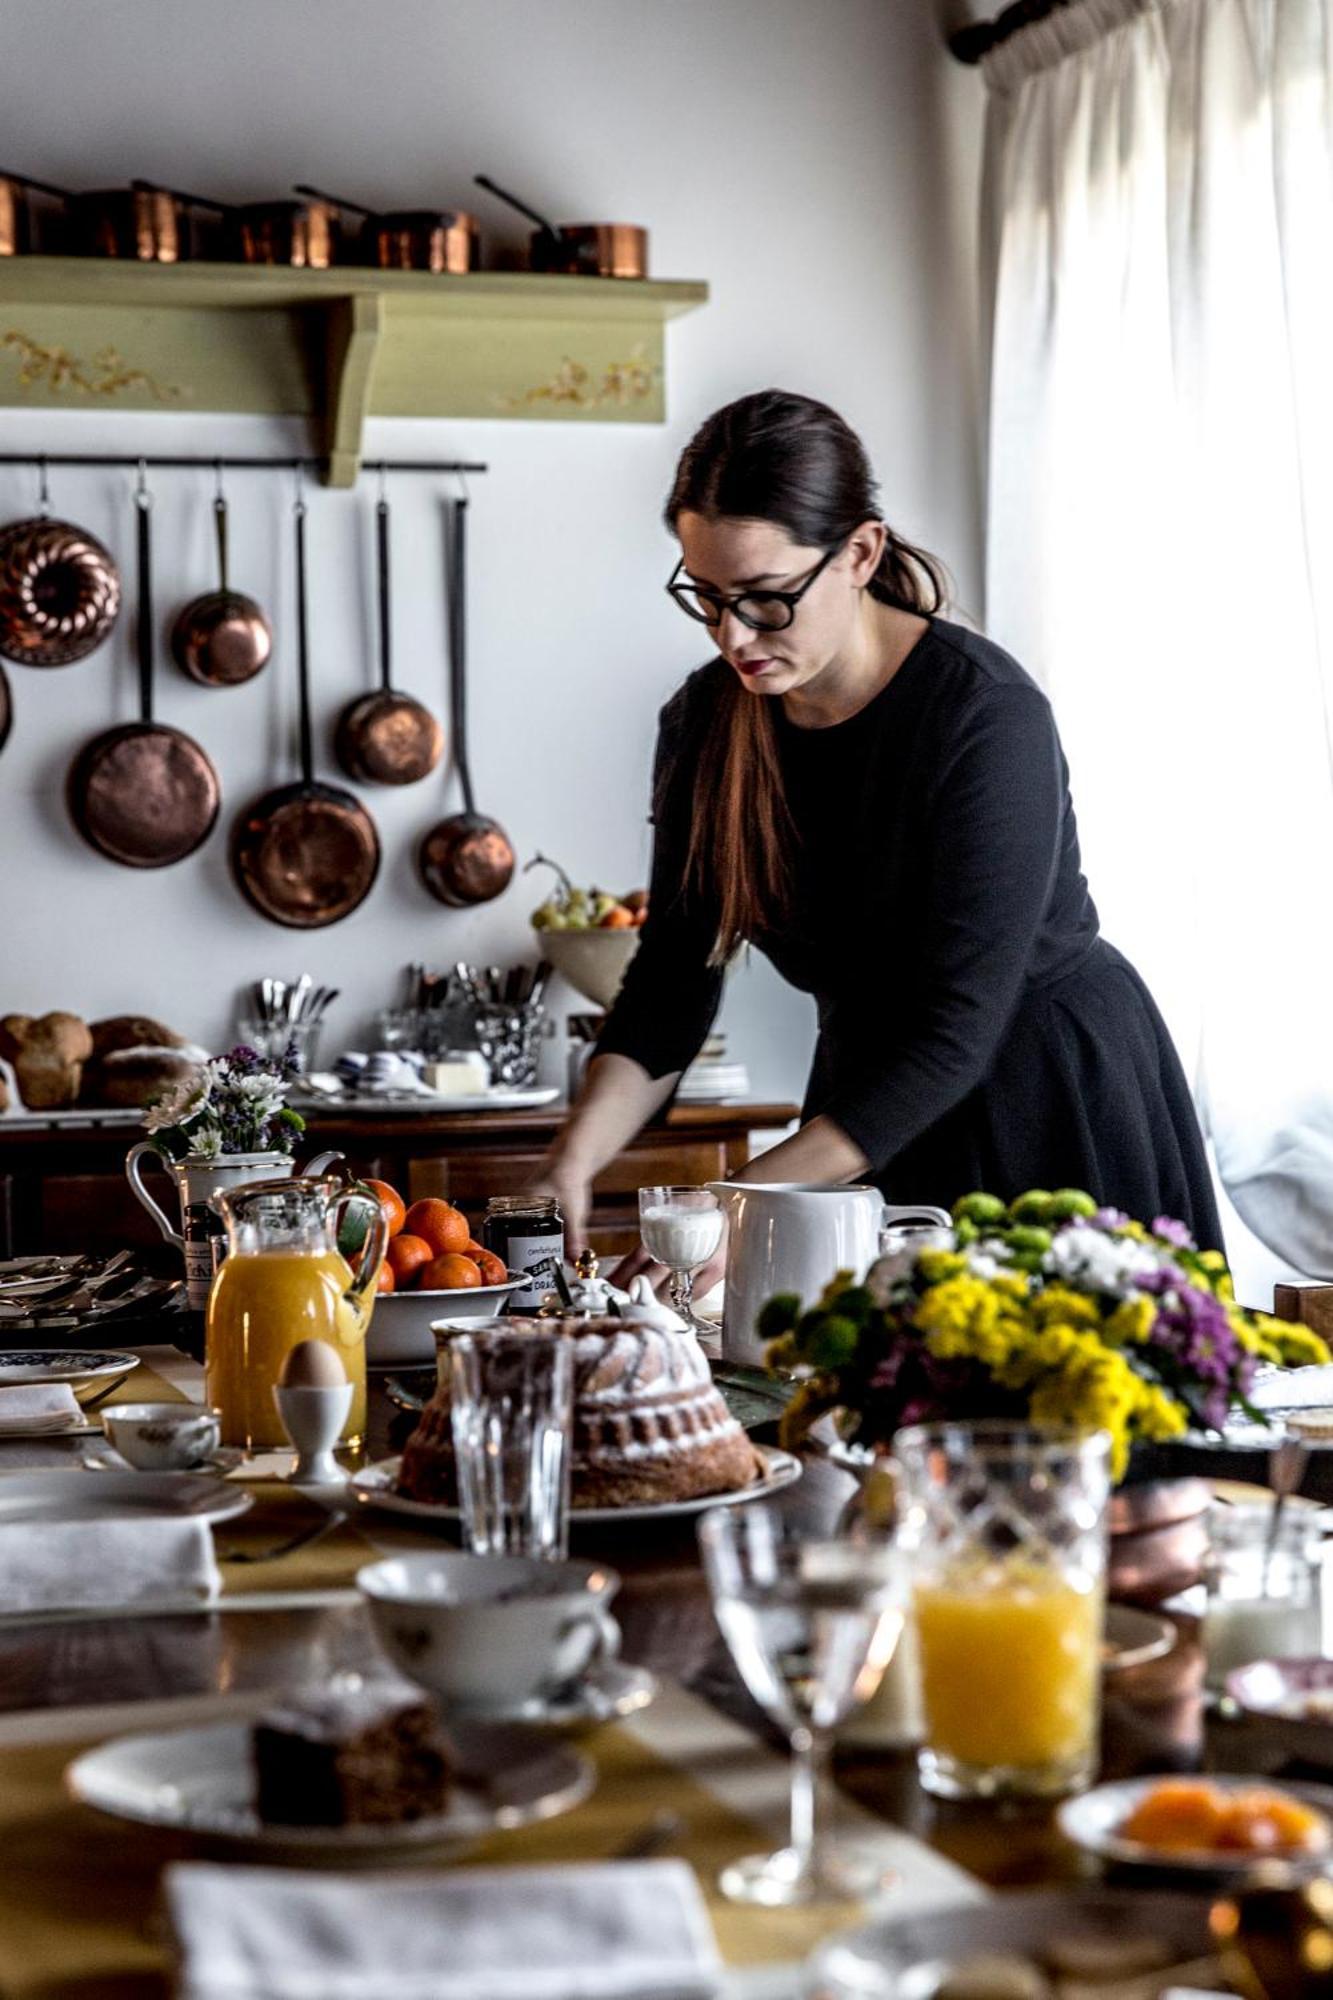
x=681 y=1227
x=811 y=1625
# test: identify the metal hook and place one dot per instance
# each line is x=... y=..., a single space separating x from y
x=384 y=484
x=142 y=497
x=43 y=487
x=218 y=495
x=300 y=489
x=463 y=493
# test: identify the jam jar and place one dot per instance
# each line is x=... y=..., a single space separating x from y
x=526 y=1231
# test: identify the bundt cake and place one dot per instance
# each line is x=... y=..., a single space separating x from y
x=649 y=1426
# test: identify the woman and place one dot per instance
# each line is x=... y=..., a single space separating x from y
x=877 y=799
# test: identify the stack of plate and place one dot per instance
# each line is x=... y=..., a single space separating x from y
x=711 y=1079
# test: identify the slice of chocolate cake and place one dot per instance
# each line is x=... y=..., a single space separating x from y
x=346 y=1757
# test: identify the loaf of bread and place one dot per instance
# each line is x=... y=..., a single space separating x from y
x=48 y=1054
x=132 y=1031
x=137 y=1077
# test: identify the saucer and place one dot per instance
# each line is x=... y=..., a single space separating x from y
x=606 y=1693
x=222 y=1461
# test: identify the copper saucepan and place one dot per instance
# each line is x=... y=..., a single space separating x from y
x=307 y=854
x=387 y=738
x=16 y=231
x=142 y=222
x=445 y=240
x=222 y=638
x=59 y=591
x=466 y=858
x=302 y=234
x=579 y=249
x=143 y=794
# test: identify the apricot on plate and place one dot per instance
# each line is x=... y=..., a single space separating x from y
x=1180 y=1814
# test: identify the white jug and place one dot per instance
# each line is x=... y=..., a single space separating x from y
x=793 y=1237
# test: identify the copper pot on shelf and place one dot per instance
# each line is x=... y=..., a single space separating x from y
x=143 y=223
x=579 y=249
x=446 y=241
x=16 y=230
x=307 y=235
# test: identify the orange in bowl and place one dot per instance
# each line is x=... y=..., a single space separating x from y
x=407 y=1256
x=492 y=1268
x=391 y=1202
x=440 y=1224
x=450 y=1273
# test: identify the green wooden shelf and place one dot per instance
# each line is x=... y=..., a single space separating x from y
x=334 y=347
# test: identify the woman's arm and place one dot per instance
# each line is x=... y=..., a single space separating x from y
x=617 y=1100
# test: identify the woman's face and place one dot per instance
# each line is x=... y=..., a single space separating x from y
x=734 y=554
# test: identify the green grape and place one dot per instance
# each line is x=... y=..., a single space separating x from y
x=979 y=1208
x=1069 y=1202
x=1034 y=1206
x=1029 y=1238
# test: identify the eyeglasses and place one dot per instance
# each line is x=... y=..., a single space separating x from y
x=761 y=610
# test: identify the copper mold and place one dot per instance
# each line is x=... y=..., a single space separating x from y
x=59 y=593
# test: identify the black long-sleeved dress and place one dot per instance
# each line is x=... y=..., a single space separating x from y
x=975 y=1030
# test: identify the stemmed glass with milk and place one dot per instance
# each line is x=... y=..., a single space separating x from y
x=681 y=1227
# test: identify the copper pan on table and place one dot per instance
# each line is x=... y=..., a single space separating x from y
x=307 y=854
x=444 y=240
x=387 y=738
x=144 y=794
x=466 y=858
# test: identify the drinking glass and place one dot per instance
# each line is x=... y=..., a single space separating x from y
x=811 y=1625
x=512 y=1413
x=1264 y=1581
x=1007 y=1526
x=681 y=1227
x=273 y=1038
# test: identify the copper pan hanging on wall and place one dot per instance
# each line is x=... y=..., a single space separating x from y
x=221 y=639
x=144 y=794
x=467 y=858
x=387 y=738
x=59 y=591
x=307 y=854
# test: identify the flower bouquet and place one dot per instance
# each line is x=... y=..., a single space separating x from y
x=1050 y=1310
x=235 y=1103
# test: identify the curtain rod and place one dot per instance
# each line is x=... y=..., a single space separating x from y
x=969 y=44
x=227 y=463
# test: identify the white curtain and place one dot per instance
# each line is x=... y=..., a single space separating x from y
x=1158 y=219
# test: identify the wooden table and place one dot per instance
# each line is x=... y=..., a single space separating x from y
x=1154 y=1715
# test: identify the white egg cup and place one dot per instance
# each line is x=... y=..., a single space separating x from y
x=313 y=1419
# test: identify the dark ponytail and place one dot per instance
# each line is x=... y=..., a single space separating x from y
x=786 y=459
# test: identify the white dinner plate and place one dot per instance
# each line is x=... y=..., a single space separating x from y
x=373 y=1487
x=200 y=1781
x=1093 y=1822
x=74 y=1494
x=435 y=1102
x=89 y=1371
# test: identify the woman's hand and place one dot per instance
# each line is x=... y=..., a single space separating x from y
x=572 y=1188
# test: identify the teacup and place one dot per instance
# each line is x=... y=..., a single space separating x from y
x=163 y=1437
x=491 y=1632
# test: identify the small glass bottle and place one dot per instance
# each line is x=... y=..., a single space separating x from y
x=1265 y=1598
x=526 y=1232
x=205 y=1241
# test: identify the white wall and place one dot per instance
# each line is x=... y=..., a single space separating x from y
x=815 y=163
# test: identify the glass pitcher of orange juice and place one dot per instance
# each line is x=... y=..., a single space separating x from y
x=283 y=1280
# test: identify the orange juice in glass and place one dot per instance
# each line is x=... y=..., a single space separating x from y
x=1008 y=1524
x=283 y=1280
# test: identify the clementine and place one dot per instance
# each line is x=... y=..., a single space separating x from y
x=491 y=1267
x=407 y=1256
x=450 y=1273
x=384 y=1281
x=391 y=1202
x=440 y=1224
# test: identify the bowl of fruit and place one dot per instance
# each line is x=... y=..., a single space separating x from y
x=433 y=1268
x=588 y=935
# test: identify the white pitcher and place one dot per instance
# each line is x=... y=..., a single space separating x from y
x=793 y=1237
x=197 y=1181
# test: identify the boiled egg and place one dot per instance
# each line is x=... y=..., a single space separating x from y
x=312 y=1364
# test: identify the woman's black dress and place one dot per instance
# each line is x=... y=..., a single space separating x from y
x=975 y=1031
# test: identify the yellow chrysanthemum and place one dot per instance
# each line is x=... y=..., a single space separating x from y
x=1132 y=1321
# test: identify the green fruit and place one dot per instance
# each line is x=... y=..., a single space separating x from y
x=1034 y=1206
x=965 y=1231
x=355 y=1225
x=978 y=1208
x=1069 y=1202
x=1029 y=1238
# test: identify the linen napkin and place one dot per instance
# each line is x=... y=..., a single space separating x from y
x=609 y=1930
x=37 y=1406
x=90 y=1565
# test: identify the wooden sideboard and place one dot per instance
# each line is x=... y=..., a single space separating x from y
x=63 y=1187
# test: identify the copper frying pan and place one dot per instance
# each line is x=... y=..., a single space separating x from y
x=307 y=854
x=387 y=738
x=143 y=794
x=222 y=638
x=466 y=858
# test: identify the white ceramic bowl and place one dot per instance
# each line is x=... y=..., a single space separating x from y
x=400 y=1327
x=594 y=962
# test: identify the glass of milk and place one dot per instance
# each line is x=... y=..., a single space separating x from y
x=681 y=1227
